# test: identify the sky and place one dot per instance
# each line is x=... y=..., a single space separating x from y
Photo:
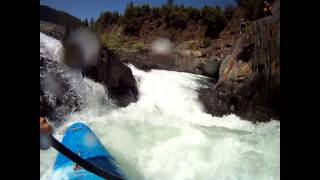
x=93 y=8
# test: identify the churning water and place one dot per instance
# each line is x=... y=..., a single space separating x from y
x=166 y=135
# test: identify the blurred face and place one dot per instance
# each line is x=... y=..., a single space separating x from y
x=82 y=49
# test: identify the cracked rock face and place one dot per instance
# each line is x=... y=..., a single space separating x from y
x=249 y=77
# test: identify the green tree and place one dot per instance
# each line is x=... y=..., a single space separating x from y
x=170 y=3
x=130 y=12
x=146 y=10
x=114 y=18
x=131 y=21
x=228 y=12
x=213 y=18
x=85 y=23
x=177 y=20
x=254 y=8
x=206 y=14
x=106 y=19
x=91 y=22
x=155 y=11
x=194 y=13
x=130 y=5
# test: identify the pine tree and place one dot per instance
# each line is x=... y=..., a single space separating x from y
x=85 y=23
x=91 y=22
x=130 y=5
x=170 y=3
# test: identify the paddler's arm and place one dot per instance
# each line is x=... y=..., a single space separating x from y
x=45 y=131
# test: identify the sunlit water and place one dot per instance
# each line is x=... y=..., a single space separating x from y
x=166 y=134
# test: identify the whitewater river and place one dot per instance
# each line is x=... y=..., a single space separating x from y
x=166 y=135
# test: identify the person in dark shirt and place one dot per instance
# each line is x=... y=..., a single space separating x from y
x=242 y=26
x=267 y=7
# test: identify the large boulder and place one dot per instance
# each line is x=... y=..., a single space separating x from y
x=83 y=51
x=58 y=97
x=249 y=77
x=115 y=76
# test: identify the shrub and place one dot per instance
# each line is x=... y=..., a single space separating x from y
x=138 y=46
x=247 y=28
x=205 y=42
x=193 y=46
x=112 y=39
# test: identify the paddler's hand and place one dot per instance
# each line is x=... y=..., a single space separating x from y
x=45 y=131
x=45 y=127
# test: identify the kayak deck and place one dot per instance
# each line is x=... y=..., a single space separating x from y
x=81 y=140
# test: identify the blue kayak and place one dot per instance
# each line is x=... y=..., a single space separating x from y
x=80 y=139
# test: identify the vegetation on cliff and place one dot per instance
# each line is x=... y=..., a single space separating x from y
x=206 y=41
x=168 y=20
x=143 y=24
x=254 y=8
x=175 y=22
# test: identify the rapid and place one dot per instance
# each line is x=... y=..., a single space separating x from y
x=166 y=134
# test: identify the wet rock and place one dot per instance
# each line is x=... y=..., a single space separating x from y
x=102 y=66
x=57 y=97
x=116 y=77
x=249 y=77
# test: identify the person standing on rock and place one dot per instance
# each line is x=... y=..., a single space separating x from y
x=267 y=7
x=242 y=25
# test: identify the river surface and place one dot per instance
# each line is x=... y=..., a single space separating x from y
x=166 y=135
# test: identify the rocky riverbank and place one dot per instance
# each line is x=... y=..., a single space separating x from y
x=245 y=68
x=57 y=96
x=249 y=77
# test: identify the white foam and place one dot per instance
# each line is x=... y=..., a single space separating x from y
x=50 y=47
x=167 y=135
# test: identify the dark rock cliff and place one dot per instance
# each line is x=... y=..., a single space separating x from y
x=57 y=96
x=249 y=78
